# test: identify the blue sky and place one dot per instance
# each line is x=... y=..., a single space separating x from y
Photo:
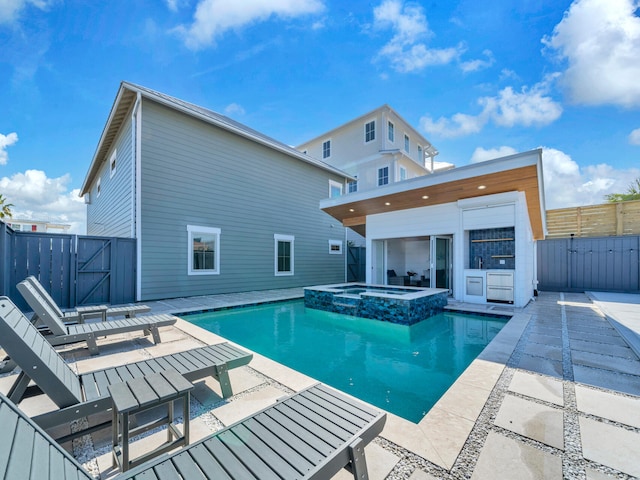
x=478 y=79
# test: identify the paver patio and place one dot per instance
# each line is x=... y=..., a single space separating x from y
x=555 y=395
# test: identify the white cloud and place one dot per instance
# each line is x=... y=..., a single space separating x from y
x=634 y=137
x=234 y=109
x=407 y=50
x=10 y=10
x=214 y=17
x=37 y=197
x=478 y=64
x=6 y=141
x=481 y=155
x=459 y=125
x=600 y=41
x=529 y=107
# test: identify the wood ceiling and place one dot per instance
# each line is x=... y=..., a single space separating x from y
x=522 y=179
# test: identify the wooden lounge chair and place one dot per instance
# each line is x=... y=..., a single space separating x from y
x=81 y=395
x=312 y=434
x=63 y=334
x=79 y=314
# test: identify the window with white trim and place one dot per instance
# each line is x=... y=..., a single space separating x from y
x=326 y=149
x=112 y=164
x=284 y=254
x=98 y=187
x=335 y=189
x=353 y=186
x=406 y=143
x=403 y=173
x=369 y=131
x=383 y=176
x=335 y=247
x=391 y=132
x=204 y=250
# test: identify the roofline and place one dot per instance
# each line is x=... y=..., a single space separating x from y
x=524 y=159
x=361 y=118
x=219 y=122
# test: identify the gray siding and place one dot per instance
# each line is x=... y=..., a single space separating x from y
x=110 y=213
x=197 y=174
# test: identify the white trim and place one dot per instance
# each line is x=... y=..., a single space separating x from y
x=113 y=163
x=283 y=238
x=332 y=184
x=393 y=125
x=137 y=207
x=191 y=229
x=364 y=130
x=335 y=243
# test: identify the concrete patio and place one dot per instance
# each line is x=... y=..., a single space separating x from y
x=555 y=395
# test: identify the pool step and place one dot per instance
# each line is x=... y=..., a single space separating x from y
x=345 y=305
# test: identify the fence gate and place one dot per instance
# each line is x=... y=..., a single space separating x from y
x=76 y=270
x=580 y=264
x=356 y=262
x=104 y=270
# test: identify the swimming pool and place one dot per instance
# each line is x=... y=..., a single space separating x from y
x=402 y=369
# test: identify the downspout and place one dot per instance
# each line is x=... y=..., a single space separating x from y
x=138 y=194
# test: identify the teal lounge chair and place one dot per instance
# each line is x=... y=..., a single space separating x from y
x=82 y=395
x=63 y=334
x=311 y=435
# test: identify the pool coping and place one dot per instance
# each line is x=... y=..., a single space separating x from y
x=441 y=434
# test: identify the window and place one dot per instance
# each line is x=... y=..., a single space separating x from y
x=283 y=254
x=403 y=173
x=335 y=247
x=326 y=149
x=335 y=189
x=391 y=133
x=406 y=143
x=34 y=228
x=204 y=250
x=353 y=186
x=383 y=176
x=112 y=164
x=420 y=156
x=98 y=188
x=370 y=131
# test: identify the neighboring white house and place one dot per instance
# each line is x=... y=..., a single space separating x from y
x=377 y=148
x=27 y=225
x=472 y=230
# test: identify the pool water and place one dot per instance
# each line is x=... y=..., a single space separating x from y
x=402 y=369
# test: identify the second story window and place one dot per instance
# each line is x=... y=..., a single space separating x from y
x=370 y=131
x=403 y=173
x=383 y=176
x=353 y=186
x=335 y=189
x=326 y=149
x=406 y=143
x=391 y=132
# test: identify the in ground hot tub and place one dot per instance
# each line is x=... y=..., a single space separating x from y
x=402 y=305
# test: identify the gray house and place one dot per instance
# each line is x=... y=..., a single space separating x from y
x=215 y=206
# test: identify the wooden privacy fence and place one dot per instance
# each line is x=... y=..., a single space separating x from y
x=621 y=218
x=75 y=269
x=582 y=264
